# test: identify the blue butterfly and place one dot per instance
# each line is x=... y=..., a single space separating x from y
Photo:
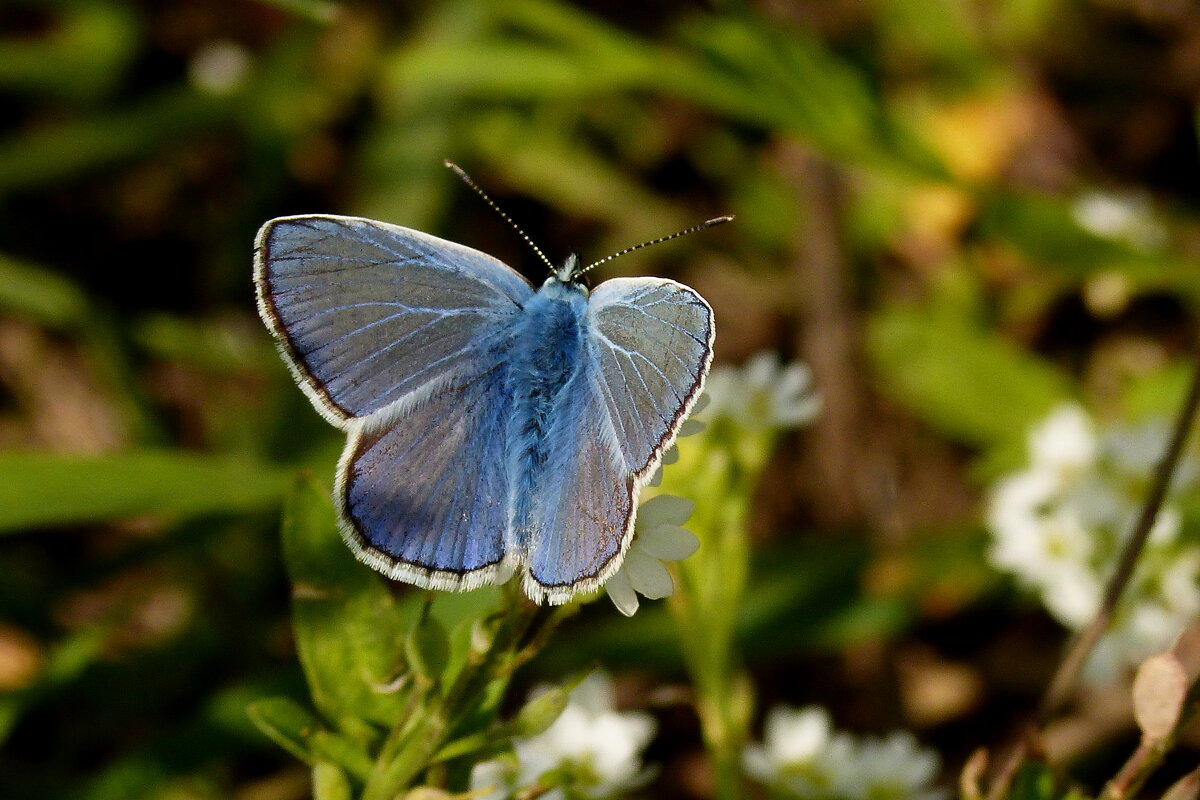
x=491 y=426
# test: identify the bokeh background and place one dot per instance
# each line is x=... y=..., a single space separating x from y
x=957 y=213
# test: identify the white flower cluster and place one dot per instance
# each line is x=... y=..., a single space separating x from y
x=1059 y=524
x=592 y=748
x=803 y=758
x=763 y=394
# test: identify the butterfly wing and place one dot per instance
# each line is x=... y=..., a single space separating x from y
x=654 y=344
x=648 y=349
x=584 y=508
x=367 y=314
x=398 y=337
x=425 y=499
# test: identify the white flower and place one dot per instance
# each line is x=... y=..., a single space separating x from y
x=494 y=780
x=793 y=753
x=658 y=537
x=802 y=757
x=1035 y=536
x=1065 y=542
x=1098 y=505
x=892 y=768
x=598 y=748
x=1121 y=216
x=1065 y=442
x=764 y=393
x=1180 y=583
x=220 y=67
x=792 y=736
x=1018 y=501
x=1072 y=594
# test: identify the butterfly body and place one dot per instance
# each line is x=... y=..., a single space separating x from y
x=548 y=336
x=491 y=427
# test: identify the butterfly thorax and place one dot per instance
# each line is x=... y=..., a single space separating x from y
x=544 y=357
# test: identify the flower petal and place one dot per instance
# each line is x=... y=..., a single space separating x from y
x=620 y=591
x=664 y=509
x=648 y=576
x=668 y=542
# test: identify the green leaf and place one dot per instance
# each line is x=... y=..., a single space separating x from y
x=296 y=730
x=1043 y=227
x=1033 y=781
x=66 y=662
x=40 y=295
x=330 y=782
x=218 y=344
x=316 y=10
x=343 y=751
x=348 y=627
x=427 y=646
x=539 y=713
x=42 y=489
x=78 y=56
x=967 y=382
x=59 y=150
x=286 y=723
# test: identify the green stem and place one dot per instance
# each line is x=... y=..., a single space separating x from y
x=712 y=584
x=417 y=737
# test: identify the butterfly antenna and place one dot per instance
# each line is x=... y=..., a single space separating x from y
x=467 y=180
x=708 y=223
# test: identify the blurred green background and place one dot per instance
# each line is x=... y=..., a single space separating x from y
x=957 y=212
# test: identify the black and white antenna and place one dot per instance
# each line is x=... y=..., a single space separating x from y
x=708 y=223
x=467 y=180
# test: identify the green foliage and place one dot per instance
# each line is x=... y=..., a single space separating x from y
x=999 y=389
x=347 y=628
x=393 y=694
x=79 y=59
x=43 y=489
x=289 y=725
x=1033 y=781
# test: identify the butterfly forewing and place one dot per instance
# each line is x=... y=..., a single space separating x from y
x=369 y=313
x=653 y=346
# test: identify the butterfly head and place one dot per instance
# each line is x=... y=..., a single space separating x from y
x=569 y=273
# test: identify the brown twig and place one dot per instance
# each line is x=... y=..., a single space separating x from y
x=1067 y=674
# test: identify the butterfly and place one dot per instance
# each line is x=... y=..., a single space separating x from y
x=491 y=426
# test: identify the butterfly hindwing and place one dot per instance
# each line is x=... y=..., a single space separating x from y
x=584 y=510
x=425 y=498
x=367 y=313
